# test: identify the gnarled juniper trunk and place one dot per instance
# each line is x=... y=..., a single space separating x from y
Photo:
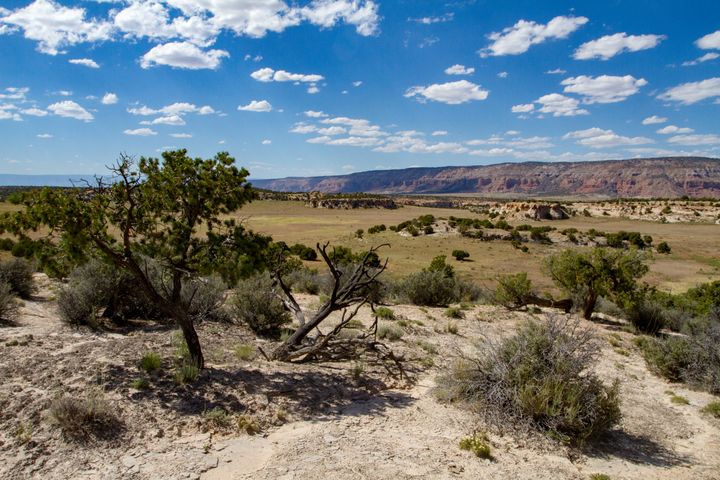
x=185 y=323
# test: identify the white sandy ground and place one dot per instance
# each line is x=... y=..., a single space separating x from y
x=397 y=432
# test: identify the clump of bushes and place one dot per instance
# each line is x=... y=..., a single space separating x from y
x=376 y=229
x=385 y=313
x=255 y=305
x=479 y=444
x=304 y=252
x=693 y=359
x=390 y=331
x=663 y=247
x=646 y=316
x=150 y=362
x=460 y=255
x=513 y=291
x=18 y=273
x=436 y=286
x=539 y=378
x=84 y=417
x=8 y=306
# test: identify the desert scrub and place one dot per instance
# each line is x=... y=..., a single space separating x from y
x=600 y=476
x=83 y=417
x=150 y=362
x=427 y=347
x=390 y=331
x=245 y=352
x=452 y=328
x=454 y=312
x=540 y=378
x=186 y=372
x=217 y=418
x=18 y=273
x=478 y=444
x=385 y=313
x=247 y=424
x=255 y=305
x=513 y=291
x=679 y=400
x=8 y=305
x=712 y=408
x=140 y=383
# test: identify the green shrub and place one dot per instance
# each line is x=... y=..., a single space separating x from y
x=304 y=252
x=712 y=408
x=513 y=291
x=452 y=328
x=429 y=288
x=83 y=417
x=6 y=244
x=600 y=476
x=217 y=418
x=679 y=400
x=478 y=444
x=18 y=273
x=646 y=316
x=359 y=233
x=255 y=305
x=8 y=305
x=150 y=362
x=305 y=280
x=460 y=255
x=140 y=383
x=385 y=313
x=663 y=247
x=186 y=372
x=376 y=229
x=412 y=230
x=541 y=377
x=390 y=331
x=454 y=312
x=245 y=352
x=428 y=230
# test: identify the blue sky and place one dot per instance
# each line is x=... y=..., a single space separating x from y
x=334 y=86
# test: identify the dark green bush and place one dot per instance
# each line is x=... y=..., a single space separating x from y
x=255 y=305
x=18 y=273
x=8 y=306
x=306 y=280
x=436 y=286
x=460 y=255
x=664 y=248
x=540 y=378
x=513 y=290
x=6 y=244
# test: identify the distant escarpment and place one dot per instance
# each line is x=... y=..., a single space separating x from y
x=669 y=177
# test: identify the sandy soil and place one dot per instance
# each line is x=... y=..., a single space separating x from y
x=331 y=421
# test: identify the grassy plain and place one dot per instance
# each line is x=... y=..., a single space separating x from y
x=695 y=256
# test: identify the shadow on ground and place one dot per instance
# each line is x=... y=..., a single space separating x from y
x=305 y=393
x=634 y=449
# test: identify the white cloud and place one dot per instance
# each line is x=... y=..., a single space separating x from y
x=357 y=83
x=693 y=92
x=430 y=20
x=85 y=62
x=270 y=75
x=70 y=109
x=557 y=71
x=603 y=89
x=183 y=55
x=44 y=135
x=35 y=112
x=313 y=89
x=599 y=138
x=330 y=131
x=181 y=135
x=502 y=75
x=458 y=69
x=608 y=46
x=315 y=114
x=54 y=26
x=711 y=41
x=256 y=106
x=705 y=58
x=142 y=132
x=439 y=133
x=452 y=93
x=653 y=120
x=266 y=142
x=109 y=99
x=695 y=139
x=177 y=108
x=175 y=120
x=672 y=129
x=523 y=108
x=521 y=36
x=303 y=128
x=560 y=105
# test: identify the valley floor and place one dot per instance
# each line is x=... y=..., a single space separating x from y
x=329 y=421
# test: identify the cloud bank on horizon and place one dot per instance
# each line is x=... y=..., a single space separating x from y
x=315 y=87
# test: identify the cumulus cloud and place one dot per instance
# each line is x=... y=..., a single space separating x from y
x=672 y=129
x=142 y=132
x=521 y=36
x=175 y=120
x=270 y=75
x=704 y=58
x=183 y=55
x=459 y=70
x=695 y=139
x=599 y=138
x=439 y=133
x=431 y=20
x=604 y=88
x=181 y=135
x=653 y=120
x=523 y=108
x=315 y=114
x=452 y=93
x=54 y=26
x=608 y=46
x=560 y=106
x=177 y=108
x=109 y=99
x=256 y=106
x=711 y=41
x=693 y=92
x=85 y=62
x=70 y=109
x=35 y=112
